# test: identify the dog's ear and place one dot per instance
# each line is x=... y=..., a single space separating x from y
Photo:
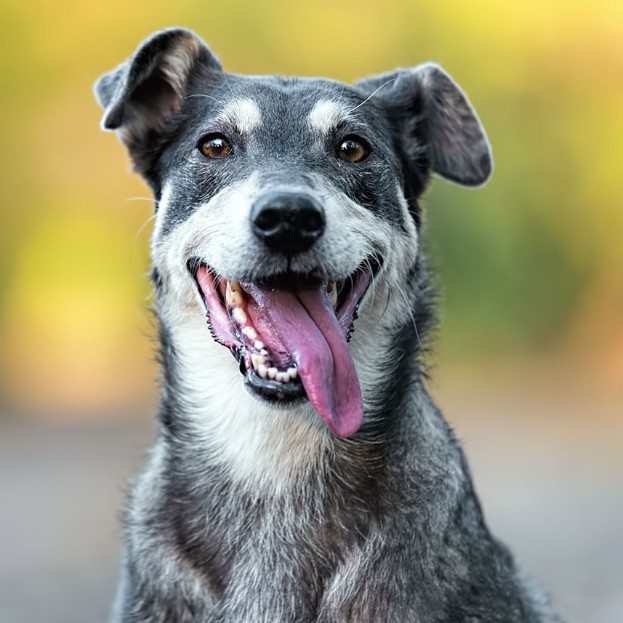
x=432 y=113
x=142 y=94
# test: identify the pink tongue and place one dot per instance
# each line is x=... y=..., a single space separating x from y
x=307 y=326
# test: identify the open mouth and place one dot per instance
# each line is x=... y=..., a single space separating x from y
x=290 y=337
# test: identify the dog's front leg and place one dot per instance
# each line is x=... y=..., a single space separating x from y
x=375 y=585
x=155 y=588
x=413 y=580
x=264 y=597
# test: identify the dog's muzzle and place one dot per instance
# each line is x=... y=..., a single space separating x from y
x=290 y=331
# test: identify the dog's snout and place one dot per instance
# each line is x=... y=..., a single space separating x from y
x=288 y=222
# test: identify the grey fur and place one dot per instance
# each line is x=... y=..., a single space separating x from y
x=300 y=526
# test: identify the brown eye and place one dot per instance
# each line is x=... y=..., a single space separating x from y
x=353 y=149
x=215 y=146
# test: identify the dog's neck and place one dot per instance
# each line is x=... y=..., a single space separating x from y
x=258 y=444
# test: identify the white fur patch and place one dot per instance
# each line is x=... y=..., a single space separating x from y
x=244 y=113
x=326 y=115
x=261 y=445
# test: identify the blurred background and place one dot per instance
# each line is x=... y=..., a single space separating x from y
x=529 y=361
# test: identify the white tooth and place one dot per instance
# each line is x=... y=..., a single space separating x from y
x=259 y=345
x=332 y=292
x=233 y=294
x=262 y=370
x=282 y=377
x=256 y=360
x=249 y=331
x=293 y=373
x=264 y=352
x=239 y=315
x=272 y=373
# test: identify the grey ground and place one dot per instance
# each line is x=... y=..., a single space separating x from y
x=548 y=467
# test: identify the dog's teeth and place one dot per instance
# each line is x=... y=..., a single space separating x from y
x=256 y=360
x=249 y=332
x=259 y=345
x=239 y=315
x=293 y=373
x=264 y=352
x=233 y=294
x=262 y=370
x=332 y=292
x=272 y=373
x=282 y=377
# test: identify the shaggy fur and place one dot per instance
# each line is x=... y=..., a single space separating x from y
x=248 y=511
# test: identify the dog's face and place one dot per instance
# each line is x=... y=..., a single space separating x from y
x=287 y=206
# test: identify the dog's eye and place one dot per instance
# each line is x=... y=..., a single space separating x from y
x=215 y=146
x=353 y=149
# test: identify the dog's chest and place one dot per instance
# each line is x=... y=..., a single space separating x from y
x=285 y=568
x=275 y=559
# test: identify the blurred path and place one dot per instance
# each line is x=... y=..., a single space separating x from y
x=551 y=487
x=61 y=490
x=546 y=455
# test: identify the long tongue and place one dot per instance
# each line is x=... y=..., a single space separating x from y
x=306 y=324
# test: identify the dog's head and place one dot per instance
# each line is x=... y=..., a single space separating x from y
x=288 y=206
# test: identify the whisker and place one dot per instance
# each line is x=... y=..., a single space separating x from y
x=206 y=96
x=373 y=256
x=371 y=95
x=400 y=290
x=142 y=227
x=151 y=199
x=227 y=83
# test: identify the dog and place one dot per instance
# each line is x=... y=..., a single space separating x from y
x=310 y=477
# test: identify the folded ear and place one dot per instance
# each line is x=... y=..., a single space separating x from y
x=142 y=94
x=431 y=113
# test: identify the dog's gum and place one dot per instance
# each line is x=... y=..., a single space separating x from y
x=259 y=356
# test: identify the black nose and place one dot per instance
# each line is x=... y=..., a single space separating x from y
x=287 y=222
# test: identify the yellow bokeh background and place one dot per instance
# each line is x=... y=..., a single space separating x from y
x=531 y=266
